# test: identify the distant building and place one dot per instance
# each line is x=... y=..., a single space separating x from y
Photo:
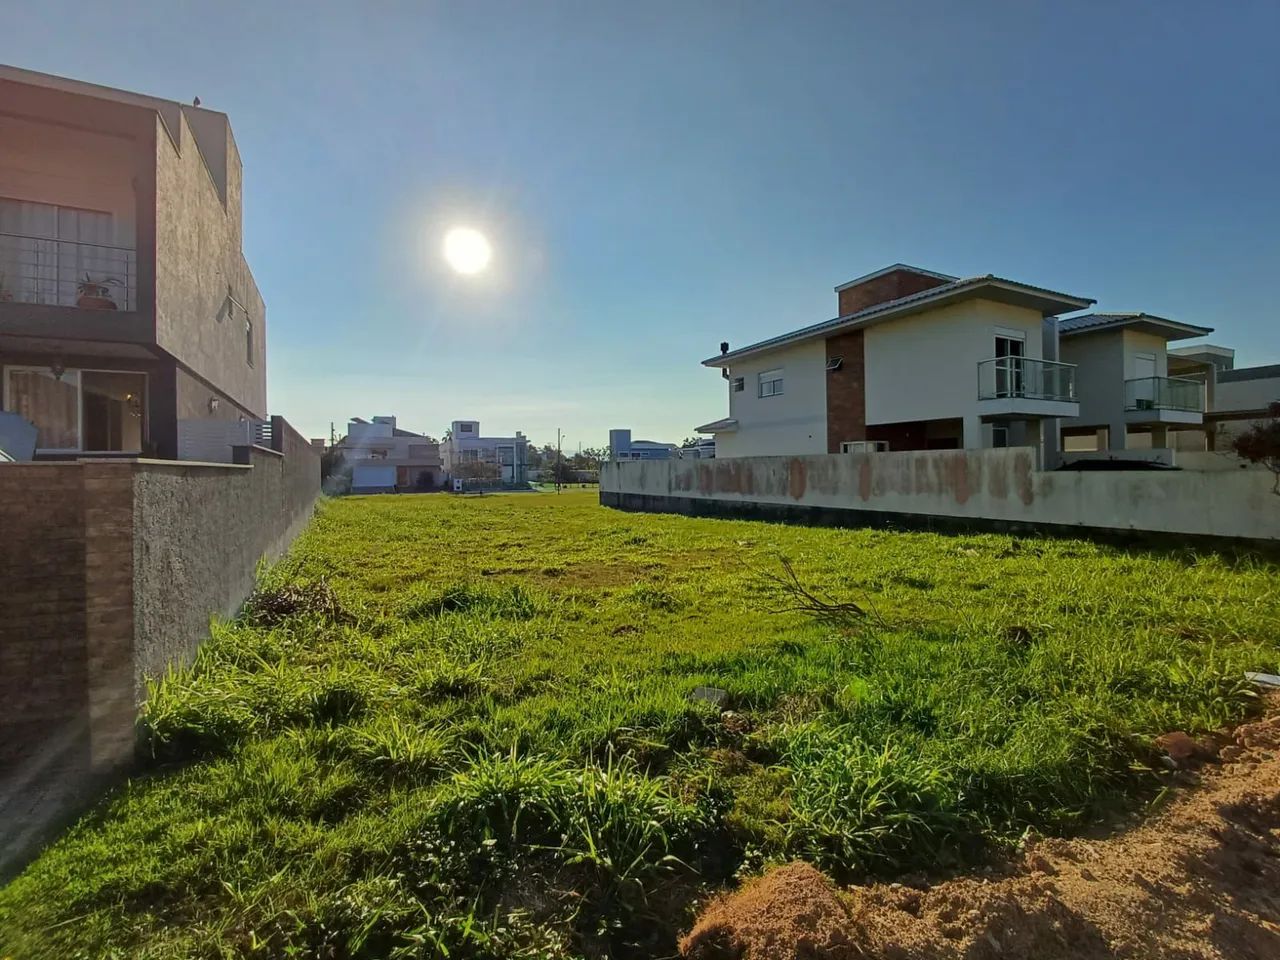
x=464 y=445
x=386 y=459
x=622 y=447
x=704 y=448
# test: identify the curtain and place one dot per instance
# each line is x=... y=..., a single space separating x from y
x=45 y=251
x=52 y=404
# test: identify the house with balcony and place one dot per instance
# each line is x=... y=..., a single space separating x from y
x=1128 y=399
x=386 y=459
x=128 y=314
x=503 y=458
x=914 y=360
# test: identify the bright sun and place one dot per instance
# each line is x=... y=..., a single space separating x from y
x=466 y=250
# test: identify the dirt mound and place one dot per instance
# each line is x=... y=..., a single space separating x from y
x=1201 y=880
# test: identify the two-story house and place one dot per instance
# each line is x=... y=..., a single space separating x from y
x=126 y=306
x=1127 y=397
x=464 y=445
x=914 y=360
x=384 y=458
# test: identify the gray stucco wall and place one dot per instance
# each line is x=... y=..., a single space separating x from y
x=199 y=532
x=199 y=258
x=991 y=488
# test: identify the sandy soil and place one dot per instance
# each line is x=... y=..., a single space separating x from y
x=1200 y=880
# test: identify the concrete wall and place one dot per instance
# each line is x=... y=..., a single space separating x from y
x=1100 y=372
x=791 y=423
x=46 y=163
x=112 y=570
x=1257 y=394
x=980 y=488
x=199 y=260
x=925 y=367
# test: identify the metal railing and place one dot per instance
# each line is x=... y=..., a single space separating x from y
x=67 y=273
x=1004 y=377
x=1164 y=393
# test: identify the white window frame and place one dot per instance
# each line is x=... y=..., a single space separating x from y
x=864 y=446
x=773 y=379
x=79 y=371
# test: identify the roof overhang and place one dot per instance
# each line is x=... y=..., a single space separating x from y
x=727 y=425
x=894 y=268
x=1046 y=302
x=1146 y=323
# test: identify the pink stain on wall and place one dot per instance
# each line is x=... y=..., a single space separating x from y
x=797 y=478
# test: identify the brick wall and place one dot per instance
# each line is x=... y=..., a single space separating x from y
x=890 y=286
x=110 y=572
x=43 y=646
x=846 y=391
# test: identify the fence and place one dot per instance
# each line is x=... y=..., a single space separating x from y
x=982 y=489
x=112 y=570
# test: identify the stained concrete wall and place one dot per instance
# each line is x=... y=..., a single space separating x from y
x=980 y=488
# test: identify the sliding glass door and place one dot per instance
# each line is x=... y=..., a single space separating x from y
x=81 y=411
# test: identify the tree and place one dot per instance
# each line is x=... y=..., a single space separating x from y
x=1261 y=444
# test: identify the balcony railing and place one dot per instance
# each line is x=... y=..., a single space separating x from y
x=67 y=273
x=1164 y=393
x=1024 y=377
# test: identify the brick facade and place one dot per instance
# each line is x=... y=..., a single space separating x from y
x=882 y=289
x=111 y=571
x=846 y=390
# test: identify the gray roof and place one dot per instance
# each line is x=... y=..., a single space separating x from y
x=1249 y=373
x=1050 y=302
x=1170 y=329
x=892 y=268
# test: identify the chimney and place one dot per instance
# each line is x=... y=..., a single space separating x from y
x=724 y=347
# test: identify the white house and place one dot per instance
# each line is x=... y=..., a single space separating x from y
x=1127 y=397
x=465 y=445
x=915 y=360
x=385 y=458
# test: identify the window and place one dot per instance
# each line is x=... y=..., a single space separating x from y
x=62 y=255
x=834 y=363
x=999 y=436
x=466 y=428
x=248 y=341
x=771 y=383
x=738 y=384
x=83 y=411
x=864 y=446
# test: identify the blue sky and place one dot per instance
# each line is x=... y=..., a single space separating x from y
x=656 y=177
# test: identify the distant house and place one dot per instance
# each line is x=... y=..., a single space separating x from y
x=509 y=456
x=385 y=459
x=1235 y=396
x=704 y=448
x=622 y=447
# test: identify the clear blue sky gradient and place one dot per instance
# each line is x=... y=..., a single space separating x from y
x=656 y=177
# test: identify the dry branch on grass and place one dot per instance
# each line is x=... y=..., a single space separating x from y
x=846 y=614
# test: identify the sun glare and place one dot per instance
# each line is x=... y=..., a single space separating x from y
x=466 y=250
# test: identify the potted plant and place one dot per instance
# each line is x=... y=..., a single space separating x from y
x=94 y=293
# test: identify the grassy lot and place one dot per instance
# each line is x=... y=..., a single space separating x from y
x=487 y=747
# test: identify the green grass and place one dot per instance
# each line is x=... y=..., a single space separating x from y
x=486 y=746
